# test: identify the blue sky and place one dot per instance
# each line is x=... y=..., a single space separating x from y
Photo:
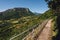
x=38 y=6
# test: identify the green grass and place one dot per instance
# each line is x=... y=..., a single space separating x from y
x=17 y=26
x=54 y=25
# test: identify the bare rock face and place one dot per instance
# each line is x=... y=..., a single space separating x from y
x=21 y=9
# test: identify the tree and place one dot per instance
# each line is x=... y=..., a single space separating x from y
x=54 y=5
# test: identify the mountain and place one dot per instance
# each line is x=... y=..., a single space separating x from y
x=15 y=13
x=25 y=21
x=37 y=13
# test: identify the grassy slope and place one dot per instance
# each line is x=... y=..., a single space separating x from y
x=54 y=26
x=13 y=27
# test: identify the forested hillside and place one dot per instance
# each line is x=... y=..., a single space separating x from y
x=47 y=14
x=17 y=20
x=15 y=13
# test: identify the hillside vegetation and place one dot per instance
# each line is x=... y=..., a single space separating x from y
x=17 y=20
x=15 y=13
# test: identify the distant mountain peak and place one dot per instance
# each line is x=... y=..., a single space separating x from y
x=21 y=9
x=16 y=12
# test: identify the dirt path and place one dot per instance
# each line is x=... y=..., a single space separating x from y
x=35 y=32
x=46 y=33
